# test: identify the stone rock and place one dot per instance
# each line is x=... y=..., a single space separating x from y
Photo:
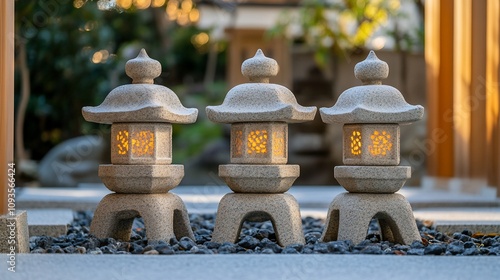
x=435 y=249
x=72 y=162
x=14 y=227
x=249 y=242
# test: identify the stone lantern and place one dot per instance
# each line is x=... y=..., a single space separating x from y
x=371 y=115
x=141 y=174
x=258 y=174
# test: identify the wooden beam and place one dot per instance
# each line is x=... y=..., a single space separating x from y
x=6 y=96
x=477 y=93
x=461 y=87
x=492 y=87
x=439 y=70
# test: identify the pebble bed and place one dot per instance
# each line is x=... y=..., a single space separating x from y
x=259 y=238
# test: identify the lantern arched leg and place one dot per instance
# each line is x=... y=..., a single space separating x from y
x=281 y=209
x=351 y=213
x=116 y=212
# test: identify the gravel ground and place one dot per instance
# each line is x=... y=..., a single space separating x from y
x=259 y=238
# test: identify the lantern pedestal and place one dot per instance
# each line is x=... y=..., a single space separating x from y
x=165 y=216
x=372 y=179
x=349 y=217
x=247 y=178
x=282 y=209
x=141 y=178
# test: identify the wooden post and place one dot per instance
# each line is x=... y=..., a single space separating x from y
x=439 y=71
x=492 y=87
x=6 y=96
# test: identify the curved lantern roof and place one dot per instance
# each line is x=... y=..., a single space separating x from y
x=260 y=101
x=141 y=101
x=372 y=102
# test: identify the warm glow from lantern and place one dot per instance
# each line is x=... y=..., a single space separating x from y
x=371 y=144
x=356 y=143
x=143 y=143
x=257 y=142
x=122 y=139
x=278 y=144
x=381 y=143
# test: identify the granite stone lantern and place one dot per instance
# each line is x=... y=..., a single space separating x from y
x=259 y=113
x=141 y=174
x=371 y=115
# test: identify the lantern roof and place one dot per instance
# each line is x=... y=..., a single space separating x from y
x=372 y=102
x=141 y=101
x=260 y=101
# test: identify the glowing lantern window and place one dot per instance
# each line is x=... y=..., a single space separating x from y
x=257 y=142
x=261 y=143
x=381 y=143
x=371 y=144
x=356 y=143
x=141 y=143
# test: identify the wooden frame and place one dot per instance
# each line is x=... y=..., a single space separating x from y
x=6 y=96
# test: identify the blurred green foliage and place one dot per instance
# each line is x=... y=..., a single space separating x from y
x=76 y=56
x=336 y=28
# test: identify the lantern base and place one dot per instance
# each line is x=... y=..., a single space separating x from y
x=372 y=179
x=165 y=216
x=281 y=209
x=141 y=179
x=252 y=178
x=350 y=214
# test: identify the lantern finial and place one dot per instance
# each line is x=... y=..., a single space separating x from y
x=259 y=68
x=143 y=69
x=372 y=70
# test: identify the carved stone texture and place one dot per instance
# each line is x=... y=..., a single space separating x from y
x=259 y=113
x=372 y=179
x=259 y=101
x=141 y=173
x=164 y=215
x=141 y=143
x=141 y=101
x=14 y=227
x=251 y=178
x=259 y=143
x=371 y=144
x=349 y=216
x=372 y=102
x=371 y=115
x=281 y=209
x=141 y=178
